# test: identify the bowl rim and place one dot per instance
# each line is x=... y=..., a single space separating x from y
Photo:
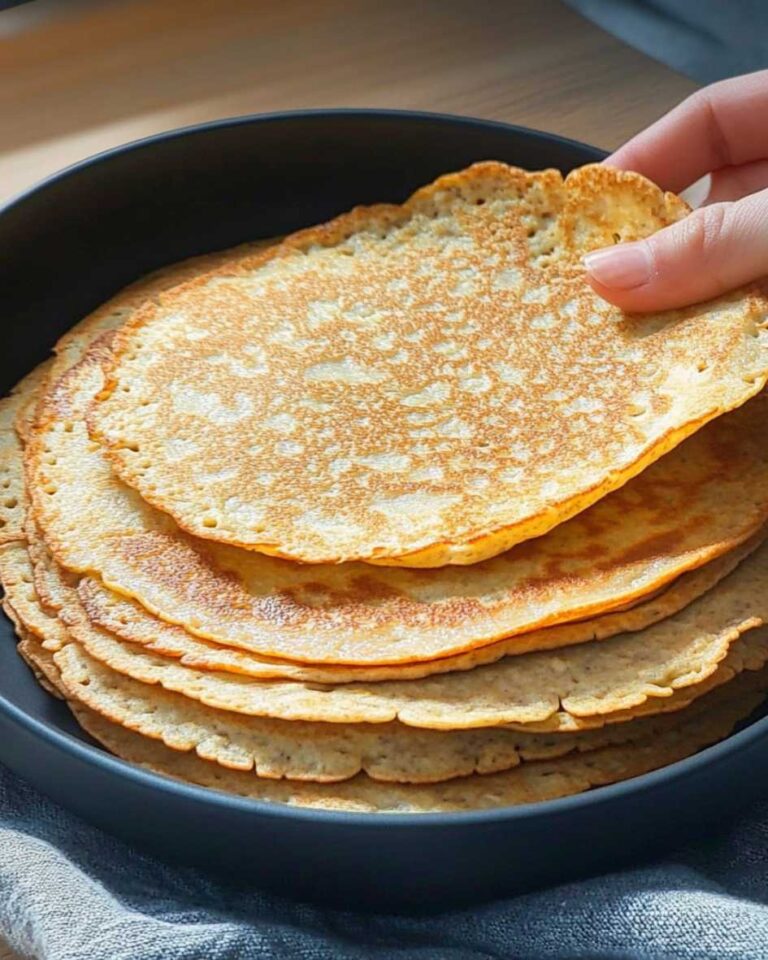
x=109 y=764
x=280 y=116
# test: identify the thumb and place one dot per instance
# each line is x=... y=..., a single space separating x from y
x=711 y=251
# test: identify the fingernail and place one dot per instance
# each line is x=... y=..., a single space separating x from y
x=622 y=267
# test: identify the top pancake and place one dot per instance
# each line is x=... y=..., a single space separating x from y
x=118 y=309
x=422 y=385
x=697 y=503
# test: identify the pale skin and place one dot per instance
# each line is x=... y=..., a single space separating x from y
x=721 y=130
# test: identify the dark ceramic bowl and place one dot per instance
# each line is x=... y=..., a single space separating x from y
x=81 y=235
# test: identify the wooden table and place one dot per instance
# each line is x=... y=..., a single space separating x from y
x=107 y=72
x=82 y=77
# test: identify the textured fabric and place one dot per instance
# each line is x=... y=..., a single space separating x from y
x=69 y=892
x=705 y=39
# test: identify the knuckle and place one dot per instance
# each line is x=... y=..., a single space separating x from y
x=691 y=252
x=709 y=103
x=703 y=232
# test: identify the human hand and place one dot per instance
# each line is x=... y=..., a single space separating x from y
x=721 y=130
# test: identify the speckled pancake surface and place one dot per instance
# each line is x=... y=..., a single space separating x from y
x=130 y=621
x=661 y=668
x=652 y=744
x=320 y=752
x=527 y=783
x=105 y=319
x=121 y=307
x=698 y=502
x=15 y=419
x=390 y=386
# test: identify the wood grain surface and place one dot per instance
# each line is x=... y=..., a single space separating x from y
x=84 y=76
x=95 y=75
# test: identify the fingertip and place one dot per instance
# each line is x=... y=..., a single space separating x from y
x=645 y=299
x=615 y=297
x=627 y=279
x=623 y=267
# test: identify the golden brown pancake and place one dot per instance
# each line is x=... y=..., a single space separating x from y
x=105 y=319
x=697 y=503
x=39 y=660
x=14 y=420
x=121 y=307
x=20 y=595
x=321 y=752
x=424 y=384
x=28 y=392
x=660 y=668
x=603 y=756
x=528 y=783
x=580 y=716
x=128 y=620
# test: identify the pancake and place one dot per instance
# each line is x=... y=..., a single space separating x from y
x=40 y=662
x=16 y=418
x=21 y=596
x=656 y=743
x=660 y=670
x=587 y=702
x=119 y=308
x=129 y=621
x=697 y=503
x=527 y=783
x=108 y=318
x=19 y=410
x=389 y=386
x=69 y=349
x=568 y=689
x=320 y=752
x=273 y=748
x=52 y=582
x=666 y=556
x=29 y=390
x=11 y=470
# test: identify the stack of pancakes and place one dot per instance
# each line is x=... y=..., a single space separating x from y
x=395 y=514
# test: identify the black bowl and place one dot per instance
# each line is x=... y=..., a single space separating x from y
x=75 y=239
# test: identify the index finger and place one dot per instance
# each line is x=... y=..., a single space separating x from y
x=719 y=126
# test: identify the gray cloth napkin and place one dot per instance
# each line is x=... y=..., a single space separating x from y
x=69 y=892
